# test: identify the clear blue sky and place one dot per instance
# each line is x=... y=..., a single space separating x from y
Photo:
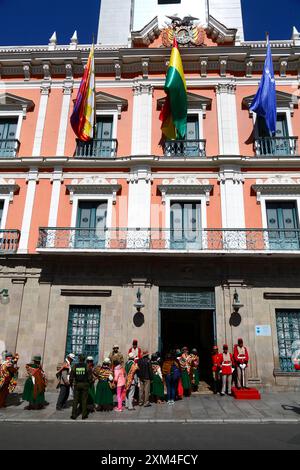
x=33 y=22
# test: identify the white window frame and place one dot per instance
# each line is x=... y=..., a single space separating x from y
x=178 y=198
x=200 y=114
x=115 y=116
x=6 y=198
x=281 y=110
x=93 y=197
x=265 y=198
x=15 y=114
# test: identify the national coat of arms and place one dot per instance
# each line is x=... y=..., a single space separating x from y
x=186 y=33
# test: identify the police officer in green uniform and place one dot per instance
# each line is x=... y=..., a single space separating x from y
x=80 y=379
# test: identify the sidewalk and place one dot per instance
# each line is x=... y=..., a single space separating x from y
x=274 y=407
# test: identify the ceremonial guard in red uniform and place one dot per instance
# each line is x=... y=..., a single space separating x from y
x=216 y=369
x=136 y=351
x=226 y=368
x=241 y=358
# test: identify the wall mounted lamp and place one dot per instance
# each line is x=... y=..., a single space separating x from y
x=4 y=296
x=236 y=304
x=139 y=304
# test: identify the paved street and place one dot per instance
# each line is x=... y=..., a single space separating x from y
x=273 y=407
x=150 y=436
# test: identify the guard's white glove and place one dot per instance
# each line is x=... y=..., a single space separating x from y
x=243 y=366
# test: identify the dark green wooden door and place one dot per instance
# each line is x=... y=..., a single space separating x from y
x=185 y=225
x=91 y=224
x=8 y=129
x=84 y=331
x=282 y=219
x=192 y=136
x=103 y=136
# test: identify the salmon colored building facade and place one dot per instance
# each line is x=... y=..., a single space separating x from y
x=189 y=223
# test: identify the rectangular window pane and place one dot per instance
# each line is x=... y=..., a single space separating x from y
x=84 y=331
x=288 y=331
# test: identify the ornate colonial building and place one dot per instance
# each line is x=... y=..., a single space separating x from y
x=185 y=224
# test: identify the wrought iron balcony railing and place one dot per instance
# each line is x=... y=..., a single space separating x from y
x=97 y=148
x=9 y=148
x=111 y=239
x=276 y=146
x=9 y=241
x=185 y=148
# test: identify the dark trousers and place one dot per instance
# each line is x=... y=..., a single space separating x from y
x=63 y=396
x=144 y=391
x=171 y=387
x=81 y=394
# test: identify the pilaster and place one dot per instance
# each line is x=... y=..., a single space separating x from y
x=142 y=119
x=32 y=180
x=232 y=196
x=45 y=90
x=227 y=119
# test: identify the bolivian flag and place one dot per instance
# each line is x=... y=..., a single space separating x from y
x=83 y=116
x=174 y=112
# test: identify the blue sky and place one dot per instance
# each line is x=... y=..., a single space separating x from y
x=32 y=22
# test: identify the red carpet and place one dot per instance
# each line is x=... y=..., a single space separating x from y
x=246 y=394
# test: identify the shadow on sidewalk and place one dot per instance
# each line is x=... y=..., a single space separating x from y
x=295 y=409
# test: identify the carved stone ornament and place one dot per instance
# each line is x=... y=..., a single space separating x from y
x=186 y=35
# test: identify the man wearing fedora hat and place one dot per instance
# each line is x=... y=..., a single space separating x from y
x=145 y=376
x=63 y=376
x=115 y=355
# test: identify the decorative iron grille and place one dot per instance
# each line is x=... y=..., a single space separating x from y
x=83 y=331
x=288 y=331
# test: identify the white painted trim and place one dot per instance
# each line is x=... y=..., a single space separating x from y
x=19 y=115
x=265 y=198
x=6 y=199
x=39 y=131
x=179 y=198
x=28 y=208
x=92 y=197
x=63 y=125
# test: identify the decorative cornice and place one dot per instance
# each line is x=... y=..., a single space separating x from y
x=140 y=173
x=8 y=187
x=228 y=88
x=141 y=88
x=231 y=174
x=278 y=186
x=147 y=35
x=185 y=186
x=94 y=185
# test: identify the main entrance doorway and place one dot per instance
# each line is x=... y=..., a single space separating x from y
x=187 y=318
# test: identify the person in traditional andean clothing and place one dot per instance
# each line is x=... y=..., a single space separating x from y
x=135 y=350
x=171 y=373
x=35 y=385
x=131 y=368
x=92 y=394
x=185 y=366
x=226 y=368
x=241 y=359
x=8 y=376
x=63 y=376
x=157 y=385
x=115 y=355
x=194 y=373
x=216 y=369
x=119 y=380
x=104 y=390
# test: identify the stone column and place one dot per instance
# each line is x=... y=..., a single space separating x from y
x=32 y=180
x=227 y=119
x=142 y=119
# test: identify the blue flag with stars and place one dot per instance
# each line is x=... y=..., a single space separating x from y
x=264 y=102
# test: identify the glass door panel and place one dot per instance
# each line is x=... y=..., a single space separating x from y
x=185 y=225
x=91 y=222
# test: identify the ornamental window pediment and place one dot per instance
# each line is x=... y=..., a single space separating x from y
x=283 y=101
x=276 y=186
x=110 y=103
x=13 y=104
x=94 y=186
x=8 y=188
x=187 y=186
x=195 y=102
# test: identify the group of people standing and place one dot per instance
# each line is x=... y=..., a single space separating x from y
x=138 y=380
x=134 y=380
x=228 y=367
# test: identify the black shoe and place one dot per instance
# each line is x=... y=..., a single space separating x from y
x=84 y=417
x=73 y=417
